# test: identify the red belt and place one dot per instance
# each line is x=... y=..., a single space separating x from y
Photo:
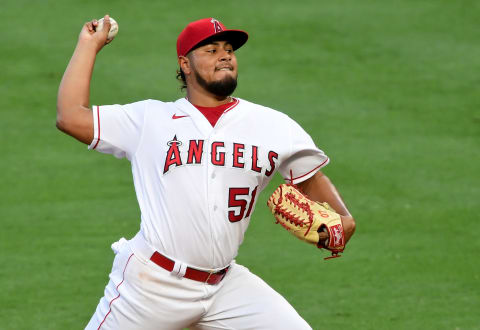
x=190 y=273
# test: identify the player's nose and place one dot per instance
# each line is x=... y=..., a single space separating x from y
x=225 y=55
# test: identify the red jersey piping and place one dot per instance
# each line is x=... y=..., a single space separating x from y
x=233 y=105
x=98 y=122
x=301 y=176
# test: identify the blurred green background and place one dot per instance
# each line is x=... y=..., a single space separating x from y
x=388 y=89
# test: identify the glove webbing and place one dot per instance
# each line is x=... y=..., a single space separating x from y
x=290 y=217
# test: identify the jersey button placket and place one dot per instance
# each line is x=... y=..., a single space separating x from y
x=213 y=176
x=212 y=191
x=211 y=196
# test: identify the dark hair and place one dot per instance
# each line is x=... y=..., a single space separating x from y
x=181 y=79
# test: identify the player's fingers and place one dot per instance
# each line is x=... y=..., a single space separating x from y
x=106 y=23
x=90 y=26
x=322 y=236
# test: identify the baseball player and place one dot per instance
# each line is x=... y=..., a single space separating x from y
x=199 y=165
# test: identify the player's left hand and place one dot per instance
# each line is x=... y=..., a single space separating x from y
x=313 y=222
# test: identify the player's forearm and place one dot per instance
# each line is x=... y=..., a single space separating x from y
x=74 y=91
x=321 y=189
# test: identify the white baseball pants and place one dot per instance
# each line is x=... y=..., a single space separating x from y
x=142 y=295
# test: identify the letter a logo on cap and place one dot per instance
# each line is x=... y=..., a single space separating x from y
x=216 y=25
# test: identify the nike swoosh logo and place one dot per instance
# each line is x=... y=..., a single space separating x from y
x=178 y=117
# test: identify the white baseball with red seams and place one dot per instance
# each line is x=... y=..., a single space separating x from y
x=113 y=28
x=197 y=185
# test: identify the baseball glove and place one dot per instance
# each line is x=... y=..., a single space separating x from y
x=313 y=222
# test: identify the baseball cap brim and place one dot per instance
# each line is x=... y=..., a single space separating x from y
x=237 y=38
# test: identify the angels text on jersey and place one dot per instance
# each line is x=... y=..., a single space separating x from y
x=235 y=155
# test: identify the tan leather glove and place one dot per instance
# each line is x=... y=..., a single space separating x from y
x=312 y=222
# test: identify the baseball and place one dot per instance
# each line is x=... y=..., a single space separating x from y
x=113 y=28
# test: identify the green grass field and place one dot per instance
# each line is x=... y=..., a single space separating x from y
x=388 y=89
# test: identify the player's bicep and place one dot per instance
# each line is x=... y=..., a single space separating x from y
x=78 y=124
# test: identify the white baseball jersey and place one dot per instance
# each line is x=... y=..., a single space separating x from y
x=197 y=185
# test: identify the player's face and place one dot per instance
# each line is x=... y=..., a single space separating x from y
x=215 y=67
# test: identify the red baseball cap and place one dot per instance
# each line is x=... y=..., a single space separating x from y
x=198 y=31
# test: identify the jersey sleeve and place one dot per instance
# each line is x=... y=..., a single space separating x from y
x=304 y=159
x=118 y=128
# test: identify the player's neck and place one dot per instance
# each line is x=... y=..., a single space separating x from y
x=205 y=99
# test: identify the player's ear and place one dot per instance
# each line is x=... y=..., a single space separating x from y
x=184 y=64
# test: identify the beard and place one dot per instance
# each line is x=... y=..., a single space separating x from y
x=222 y=88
